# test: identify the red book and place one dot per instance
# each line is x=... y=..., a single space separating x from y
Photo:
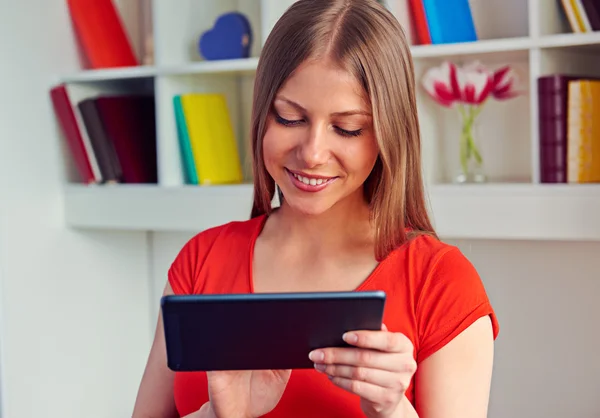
x=101 y=34
x=71 y=129
x=420 y=22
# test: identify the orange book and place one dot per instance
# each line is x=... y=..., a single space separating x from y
x=583 y=132
x=101 y=34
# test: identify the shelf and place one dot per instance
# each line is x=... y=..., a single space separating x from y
x=155 y=208
x=565 y=40
x=490 y=46
x=517 y=211
x=207 y=67
x=107 y=74
x=504 y=46
x=200 y=67
x=502 y=211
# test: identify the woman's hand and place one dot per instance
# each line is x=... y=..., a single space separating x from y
x=244 y=394
x=378 y=368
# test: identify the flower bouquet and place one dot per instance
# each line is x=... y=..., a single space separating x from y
x=467 y=89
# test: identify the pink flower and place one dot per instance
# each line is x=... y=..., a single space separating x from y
x=442 y=85
x=475 y=83
x=505 y=80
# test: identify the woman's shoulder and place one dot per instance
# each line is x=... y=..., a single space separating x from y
x=427 y=253
x=212 y=245
x=444 y=289
x=227 y=234
x=436 y=270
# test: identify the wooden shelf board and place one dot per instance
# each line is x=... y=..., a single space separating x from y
x=492 y=211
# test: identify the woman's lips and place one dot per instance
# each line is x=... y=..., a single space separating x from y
x=309 y=182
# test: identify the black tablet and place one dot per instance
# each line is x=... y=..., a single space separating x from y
x=262 y=331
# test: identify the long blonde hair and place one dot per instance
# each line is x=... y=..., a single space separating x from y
x=366 y=40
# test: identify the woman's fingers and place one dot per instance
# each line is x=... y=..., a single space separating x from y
x=391 y=342
x=360 y=357
x=383 y=397
x=378 y=377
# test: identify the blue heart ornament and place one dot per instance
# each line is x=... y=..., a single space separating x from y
x=229 y=38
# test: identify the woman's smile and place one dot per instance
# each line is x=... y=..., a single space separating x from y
x=309 y=182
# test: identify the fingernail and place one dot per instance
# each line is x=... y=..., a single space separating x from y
x=350 y=337
x=316 y=355
x=320 y=367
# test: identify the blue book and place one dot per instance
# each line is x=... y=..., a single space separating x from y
x=187 y=155
x=449 y=21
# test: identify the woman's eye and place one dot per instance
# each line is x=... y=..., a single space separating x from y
x=344 y=132
x=286 y=122
x=340 y=131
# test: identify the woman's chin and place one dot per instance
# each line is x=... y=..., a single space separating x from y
x=308 y=208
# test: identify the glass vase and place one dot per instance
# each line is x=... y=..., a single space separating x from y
x=471 y=167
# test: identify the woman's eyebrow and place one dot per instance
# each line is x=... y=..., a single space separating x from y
x=343 y=113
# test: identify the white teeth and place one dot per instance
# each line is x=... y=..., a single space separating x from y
x=307 y=181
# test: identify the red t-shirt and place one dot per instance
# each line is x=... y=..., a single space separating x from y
x=433 y=293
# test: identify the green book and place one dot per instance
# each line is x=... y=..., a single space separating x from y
x=189 y=167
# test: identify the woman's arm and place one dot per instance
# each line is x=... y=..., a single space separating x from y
x=155 y=395
x=455 y=381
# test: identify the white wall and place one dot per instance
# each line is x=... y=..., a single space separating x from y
x=75 y=306
x=546 y=297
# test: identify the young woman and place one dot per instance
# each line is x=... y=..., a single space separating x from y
x=335 y=127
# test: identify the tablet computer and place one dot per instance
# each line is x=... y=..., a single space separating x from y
x=262 y=330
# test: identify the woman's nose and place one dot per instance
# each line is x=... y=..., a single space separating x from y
x=314 y=149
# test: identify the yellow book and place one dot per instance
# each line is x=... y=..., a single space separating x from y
x=212 y=139
x=583 y=132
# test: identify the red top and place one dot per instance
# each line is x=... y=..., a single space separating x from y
x=433 y=293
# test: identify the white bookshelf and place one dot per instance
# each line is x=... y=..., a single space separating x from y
x=530 y=35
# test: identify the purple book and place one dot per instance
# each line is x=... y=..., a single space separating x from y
x=592 y=10
x=553 y=99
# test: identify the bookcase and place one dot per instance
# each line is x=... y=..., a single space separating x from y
x=533 y=36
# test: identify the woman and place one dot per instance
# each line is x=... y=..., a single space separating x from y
x=335 y=127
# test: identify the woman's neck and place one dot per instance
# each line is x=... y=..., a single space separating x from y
x=346 y=224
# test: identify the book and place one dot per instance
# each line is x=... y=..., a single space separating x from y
x=552 y=120
x=417 y=13
x=102 y=144
x=129 y=121
x=583 y=131
x=71 y=125
x=190 y=174
x=212 y=139
x=101 y=34
x=449 y=21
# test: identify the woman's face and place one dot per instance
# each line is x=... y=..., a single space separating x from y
x=319 y=145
